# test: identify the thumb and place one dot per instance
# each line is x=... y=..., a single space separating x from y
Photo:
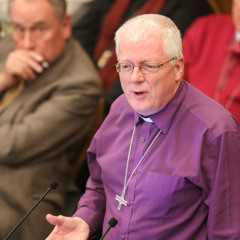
x=55 y=220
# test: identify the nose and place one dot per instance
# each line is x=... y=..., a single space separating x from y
x=137 y=76
x=28 y=41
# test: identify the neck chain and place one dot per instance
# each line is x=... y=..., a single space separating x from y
x=121 y=199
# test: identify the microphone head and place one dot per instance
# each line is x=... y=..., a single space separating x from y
x=53 y=185
x=113 y=222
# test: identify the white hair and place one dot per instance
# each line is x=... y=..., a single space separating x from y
x=147 y=25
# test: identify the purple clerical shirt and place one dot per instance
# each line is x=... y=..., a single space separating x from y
x=188 y=185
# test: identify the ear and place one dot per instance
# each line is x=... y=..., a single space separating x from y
x=179 y=69
x=67 y=26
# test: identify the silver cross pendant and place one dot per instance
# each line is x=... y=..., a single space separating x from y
x=121 y=200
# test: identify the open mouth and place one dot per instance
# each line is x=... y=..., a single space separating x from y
x=139 y=93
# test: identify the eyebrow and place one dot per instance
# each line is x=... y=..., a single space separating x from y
x=142 y=62
x=38 y=23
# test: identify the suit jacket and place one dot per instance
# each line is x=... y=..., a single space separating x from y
x=41 y=131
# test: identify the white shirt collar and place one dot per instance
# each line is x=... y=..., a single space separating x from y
x=146 y=119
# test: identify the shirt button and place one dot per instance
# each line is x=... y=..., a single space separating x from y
x=122 y=237
x=142 y=139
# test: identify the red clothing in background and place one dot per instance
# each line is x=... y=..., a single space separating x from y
x=206 y=45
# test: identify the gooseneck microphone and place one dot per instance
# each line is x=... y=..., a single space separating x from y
x=112 y=223
x=53 y=185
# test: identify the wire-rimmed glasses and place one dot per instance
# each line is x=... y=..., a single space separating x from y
x=146 y=67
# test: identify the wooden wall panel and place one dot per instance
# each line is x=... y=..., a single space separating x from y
x=221 y=6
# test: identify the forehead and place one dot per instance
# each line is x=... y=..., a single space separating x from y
x=29 y=11
x=150 y=48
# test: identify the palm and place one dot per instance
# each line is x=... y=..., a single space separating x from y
x=64 y=234
x=68 y=228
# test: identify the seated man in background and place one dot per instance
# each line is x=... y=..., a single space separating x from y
x=49 y=95
x=74 y=8
x=165 y=162
x=211 y=48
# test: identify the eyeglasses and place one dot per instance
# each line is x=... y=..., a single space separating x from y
x=144 y=67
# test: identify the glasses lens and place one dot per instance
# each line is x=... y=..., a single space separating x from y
x=126 y=67
x=149 y=67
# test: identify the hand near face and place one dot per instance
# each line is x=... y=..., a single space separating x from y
x=21 y=65
x=67 y=228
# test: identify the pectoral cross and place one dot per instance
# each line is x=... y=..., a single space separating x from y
x=121 y=200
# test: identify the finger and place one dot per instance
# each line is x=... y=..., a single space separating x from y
x=55 y=220
x=35 y=56
x=24 y=68
x=30 y=59
x=27 y=73
x=22 y=71
x=31 y=62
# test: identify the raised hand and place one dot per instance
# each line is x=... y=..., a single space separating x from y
x=68 y=228
x=20 y=65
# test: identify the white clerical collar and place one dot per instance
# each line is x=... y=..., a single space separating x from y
x=146 y=119
x=237 y=36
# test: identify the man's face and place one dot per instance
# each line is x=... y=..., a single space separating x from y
x=236 y=14
x=150 y=92
x=37 y=28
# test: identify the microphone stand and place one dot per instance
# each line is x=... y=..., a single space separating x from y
x=52 y=186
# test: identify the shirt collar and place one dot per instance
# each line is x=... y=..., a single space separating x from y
x=146 y=119
x=164 y=118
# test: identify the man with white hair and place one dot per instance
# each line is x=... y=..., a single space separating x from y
x=165 y=162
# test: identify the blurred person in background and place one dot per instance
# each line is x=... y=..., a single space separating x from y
x=75 y=8
x=49 y=94
x=211 y=48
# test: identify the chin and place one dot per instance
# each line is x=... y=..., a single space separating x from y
x=144 y=108
x=144 y=112
x=147 y=111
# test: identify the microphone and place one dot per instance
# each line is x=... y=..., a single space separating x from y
x=53 y=185
x=112 y=223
